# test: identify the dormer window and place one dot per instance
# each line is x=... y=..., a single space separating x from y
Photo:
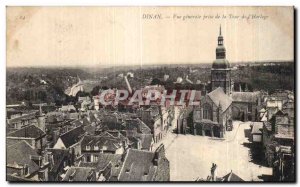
x=96 y=147
x=88 y=147
x=127 y=170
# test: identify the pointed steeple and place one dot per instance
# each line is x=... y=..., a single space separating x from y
x=220 y=37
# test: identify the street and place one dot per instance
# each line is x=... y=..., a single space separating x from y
x=191 y=156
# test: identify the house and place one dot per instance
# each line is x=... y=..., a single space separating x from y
x=23 y=162
x=279 y=135
x=185 y=121
x=152 y=117
x=33 y=135
x=108 y=166
x=71 y=140
x=91 y=146
x=80 y=174
x=132 y=138
x=146 y=142
x=213 y=116
x=23 y=120
x=256 y=132
x=59 y=161
x=136 y=126
x=141 y=165
x=245 y=105
x=284 y=165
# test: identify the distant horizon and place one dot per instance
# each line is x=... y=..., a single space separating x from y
x=147 y=65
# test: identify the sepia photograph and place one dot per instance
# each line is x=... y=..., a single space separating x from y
x=195 y=94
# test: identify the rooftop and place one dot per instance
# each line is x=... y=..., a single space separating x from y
x=31 y=131
x=220 y=98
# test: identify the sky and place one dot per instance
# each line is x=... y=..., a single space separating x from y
x=113 y=36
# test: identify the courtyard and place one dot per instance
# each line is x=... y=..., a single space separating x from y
x=191 y=156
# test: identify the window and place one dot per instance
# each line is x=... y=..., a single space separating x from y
x=207 y=112
x=96 y=147
x=88 y=158
x=96 y=158
x=88 y=147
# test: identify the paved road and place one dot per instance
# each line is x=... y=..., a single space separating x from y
x=191 y=156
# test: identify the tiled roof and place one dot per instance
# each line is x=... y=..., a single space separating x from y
x=110 y=144
x=22 y=118
x=285 y=132
x=93 y=118
x=103 y=161
x=146 y=141
x=85 y=121
x=232 y=177
x=220 y=98
x=90 y=129
x=257 y=128
x=79 y=173
x=31 y=131
x=249 y=97
x=137 y=124
x=59 y=156
x=19 y=154
x=138 y=166
x=15 y=178
x=77 y=123
x=73 y=136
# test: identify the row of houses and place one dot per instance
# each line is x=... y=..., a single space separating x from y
x=275 y=133
x=90 y=146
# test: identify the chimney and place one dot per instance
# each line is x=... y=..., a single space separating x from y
x=49 y=158
x=40 y=110
x=25 y=169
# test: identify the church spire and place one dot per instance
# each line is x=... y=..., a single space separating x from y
x=220 y=38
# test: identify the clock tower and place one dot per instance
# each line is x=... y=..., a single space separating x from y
x=220 y=71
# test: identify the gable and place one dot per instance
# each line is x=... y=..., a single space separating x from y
x=59 y=144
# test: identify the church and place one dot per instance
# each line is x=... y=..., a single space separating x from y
x=213 y=117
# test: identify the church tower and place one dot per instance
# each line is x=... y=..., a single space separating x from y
x=220 y=71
